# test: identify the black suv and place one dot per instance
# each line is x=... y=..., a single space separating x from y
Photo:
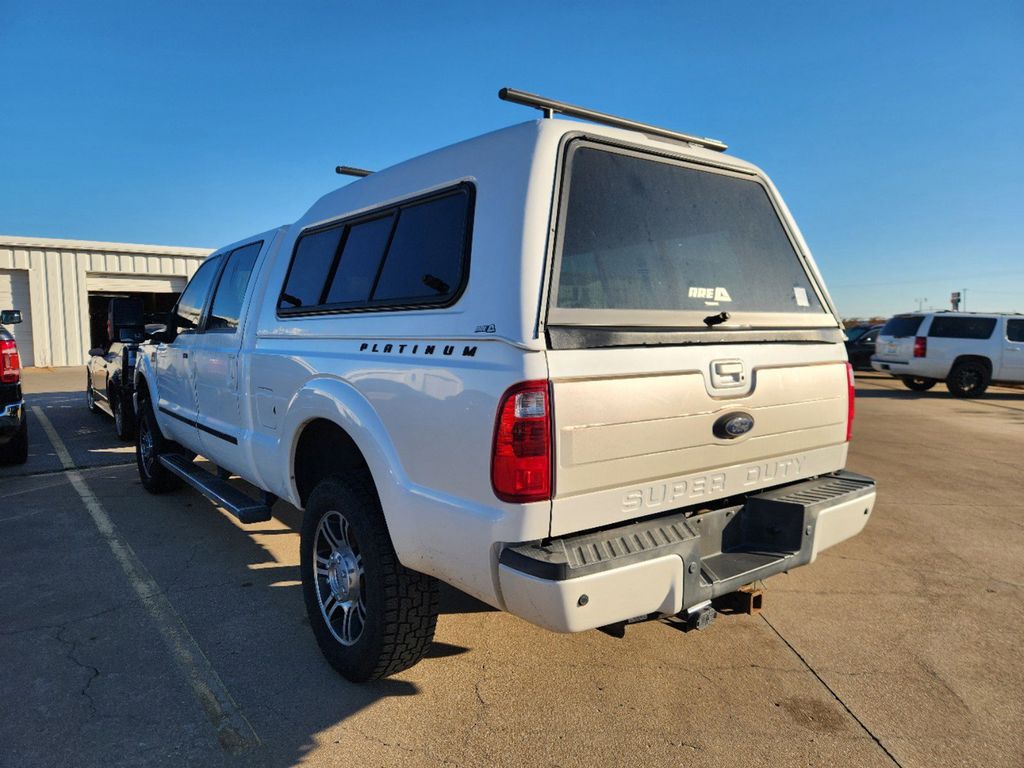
x=13 y=419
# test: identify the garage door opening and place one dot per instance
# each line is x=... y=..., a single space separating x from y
x=158 y=294
x=155 y=309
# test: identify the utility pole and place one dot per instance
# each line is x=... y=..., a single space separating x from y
x=964 y=291
x=920 y=303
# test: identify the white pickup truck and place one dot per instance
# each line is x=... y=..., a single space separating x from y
x=586 y=372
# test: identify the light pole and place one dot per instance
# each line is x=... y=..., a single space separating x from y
x=920 y=304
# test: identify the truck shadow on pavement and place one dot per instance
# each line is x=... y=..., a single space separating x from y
x=89 y=437
x=237 y=590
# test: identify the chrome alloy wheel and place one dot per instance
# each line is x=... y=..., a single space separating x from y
x=340 y=579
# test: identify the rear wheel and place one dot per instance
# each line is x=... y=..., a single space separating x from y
x=124 y=419
x=372 y=617
x=90 y=397
x=918 y=384
x=968 y=379
x=16 y=450
x=149 y=444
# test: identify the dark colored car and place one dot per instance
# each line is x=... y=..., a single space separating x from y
x=860 y=345
x=110 y=373
x=108 y=385
x=13 y=416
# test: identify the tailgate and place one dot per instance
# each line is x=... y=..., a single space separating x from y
x=896 y=340
x=894 y=349
x=632 y=445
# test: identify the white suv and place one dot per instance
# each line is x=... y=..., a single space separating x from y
x=967 y=350
x=586 y=373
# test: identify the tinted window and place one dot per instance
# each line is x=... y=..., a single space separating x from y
x=869 y=338
x=642 y=234
x=310 y=267
x=412 y=253
x=227 y=301
x=1015 y=330
x=903 y=325
x=424 y=262
x=947 y=327
x=360 y=260
x=192 y=299
x=852 y=334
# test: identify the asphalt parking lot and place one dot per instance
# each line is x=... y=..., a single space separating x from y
x=900 y=647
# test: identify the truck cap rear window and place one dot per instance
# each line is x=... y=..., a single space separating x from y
x=645 y=235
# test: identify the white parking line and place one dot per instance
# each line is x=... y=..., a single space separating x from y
x=234 y=732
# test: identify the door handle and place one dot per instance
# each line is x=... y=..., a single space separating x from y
x=184 y=355
x=727 y=373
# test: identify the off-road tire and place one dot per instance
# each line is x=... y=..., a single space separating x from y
x=124 y=418
x=401 y=605
x=16 y=449
x=918 y=384
x=968 y=379
x=155 y=477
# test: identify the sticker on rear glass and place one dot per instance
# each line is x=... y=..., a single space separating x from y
x=712 y=296
x=800 y=294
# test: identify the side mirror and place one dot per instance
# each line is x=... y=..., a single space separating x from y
x=157 y=332
x=10 y=317
x=97 y=352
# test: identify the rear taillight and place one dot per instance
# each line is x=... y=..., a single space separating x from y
x=10 y=363
x=521 y=459
x=920 y=346
x=851 y=394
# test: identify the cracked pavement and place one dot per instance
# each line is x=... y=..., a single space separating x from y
x=900 y=647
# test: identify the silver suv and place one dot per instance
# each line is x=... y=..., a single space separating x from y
x=967 y=350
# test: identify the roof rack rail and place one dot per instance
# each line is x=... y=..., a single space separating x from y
x=349 y=170
x=549 y=107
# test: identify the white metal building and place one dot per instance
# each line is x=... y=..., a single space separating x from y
x=62 y=286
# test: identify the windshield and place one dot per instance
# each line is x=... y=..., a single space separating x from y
x=642 y=234
x=852 y=334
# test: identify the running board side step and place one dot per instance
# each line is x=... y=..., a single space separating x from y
x=221 y=492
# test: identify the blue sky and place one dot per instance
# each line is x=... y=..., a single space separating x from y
x=895 y=131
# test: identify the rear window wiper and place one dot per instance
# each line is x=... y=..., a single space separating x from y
x=712 y=320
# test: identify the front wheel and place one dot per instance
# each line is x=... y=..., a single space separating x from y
x=918 y=384
x=149 y=444
x=372 y=617
x=968 y=379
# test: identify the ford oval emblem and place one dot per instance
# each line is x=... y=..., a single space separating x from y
x=733 y=425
